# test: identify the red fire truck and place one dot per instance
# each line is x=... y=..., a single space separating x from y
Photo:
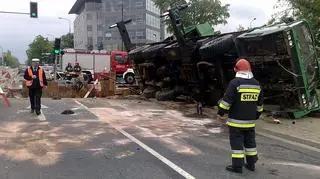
x=100 y=63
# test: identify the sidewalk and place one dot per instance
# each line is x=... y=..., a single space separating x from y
x=305 y=131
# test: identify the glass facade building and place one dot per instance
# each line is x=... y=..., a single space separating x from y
x=95 y=16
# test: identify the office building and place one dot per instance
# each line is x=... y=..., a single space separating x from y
x=91 y=27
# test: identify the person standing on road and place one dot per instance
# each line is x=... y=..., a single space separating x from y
x=243 y=101
x=35 y=80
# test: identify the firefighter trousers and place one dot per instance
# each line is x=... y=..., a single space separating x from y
x=35 y=98
x=243 y=145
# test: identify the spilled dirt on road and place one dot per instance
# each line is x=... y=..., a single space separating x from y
x=44 y=142
x=166 y=124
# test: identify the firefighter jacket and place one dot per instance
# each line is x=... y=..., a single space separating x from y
x=77 y=68
x=243 y=101
x=69 y=68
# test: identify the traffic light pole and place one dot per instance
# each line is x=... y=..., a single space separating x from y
x=7 y=12
x=55 y=67
x=33 y=11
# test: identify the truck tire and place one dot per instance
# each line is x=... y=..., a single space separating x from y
x=213 y=97
x=166 y=95
x=86 y=78
x=129 y=78
x=149 y=92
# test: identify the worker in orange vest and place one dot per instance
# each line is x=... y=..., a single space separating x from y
x=35 y=79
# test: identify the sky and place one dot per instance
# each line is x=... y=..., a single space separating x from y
x=18 y=31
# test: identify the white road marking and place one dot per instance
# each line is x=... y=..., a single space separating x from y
x=157 y=155
x=150 y=150
x=289 y=142
x=42 y=106
x=300 y=165
x=22 y=111
x=41 y=117
x=80 y=104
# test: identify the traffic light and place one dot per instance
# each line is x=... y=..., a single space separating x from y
x=33 y=9
x=57 y=49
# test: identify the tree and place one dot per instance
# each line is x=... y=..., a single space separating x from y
x=67 y=41
x=38 y=48
x=240 y=28
x=302 y=9
x=198 y=12
x=10 y=60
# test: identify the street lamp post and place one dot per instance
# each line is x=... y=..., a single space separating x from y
x=69 y=21
x=252 y=21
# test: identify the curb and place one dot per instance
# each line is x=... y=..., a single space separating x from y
x=261 y=132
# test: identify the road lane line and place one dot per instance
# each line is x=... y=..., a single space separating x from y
x=41 y=117
x=80 y=104
x=289 y=142
x=148 y=149
x=157 y=155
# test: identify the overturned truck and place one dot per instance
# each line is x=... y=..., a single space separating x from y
x=198 y=63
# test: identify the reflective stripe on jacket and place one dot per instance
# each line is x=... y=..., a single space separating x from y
x=242 y=99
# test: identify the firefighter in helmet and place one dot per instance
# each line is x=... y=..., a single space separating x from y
x=77 y=68
x=69 y=68
x=243 y=102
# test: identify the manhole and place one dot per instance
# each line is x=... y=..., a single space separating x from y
x=67 y=112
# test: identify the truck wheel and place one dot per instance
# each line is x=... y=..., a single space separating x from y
x=129 y=78
x=213 y=97
x=86 y=78
x=166 y=95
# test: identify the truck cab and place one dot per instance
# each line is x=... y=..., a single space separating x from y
x=119 y=62
x=285 y=62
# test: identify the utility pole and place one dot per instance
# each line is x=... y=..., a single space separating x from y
x=122 y=21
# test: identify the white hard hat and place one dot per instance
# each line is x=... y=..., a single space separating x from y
x=35 y=60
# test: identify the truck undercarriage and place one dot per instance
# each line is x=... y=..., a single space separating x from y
x=200 y=66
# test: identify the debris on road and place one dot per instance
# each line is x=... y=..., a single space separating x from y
x=67 y=112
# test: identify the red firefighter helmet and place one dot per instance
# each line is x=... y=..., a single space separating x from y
x=242 y=65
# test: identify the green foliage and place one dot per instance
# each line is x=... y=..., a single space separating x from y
x=240 y=28
x=38 y=47
x=67 y=41
x=302 y=9
x=198 y=12
x=10 y=60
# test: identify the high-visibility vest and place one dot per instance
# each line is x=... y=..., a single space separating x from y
x=40 y=74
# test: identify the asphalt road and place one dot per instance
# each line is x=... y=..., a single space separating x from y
x=131 y=139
